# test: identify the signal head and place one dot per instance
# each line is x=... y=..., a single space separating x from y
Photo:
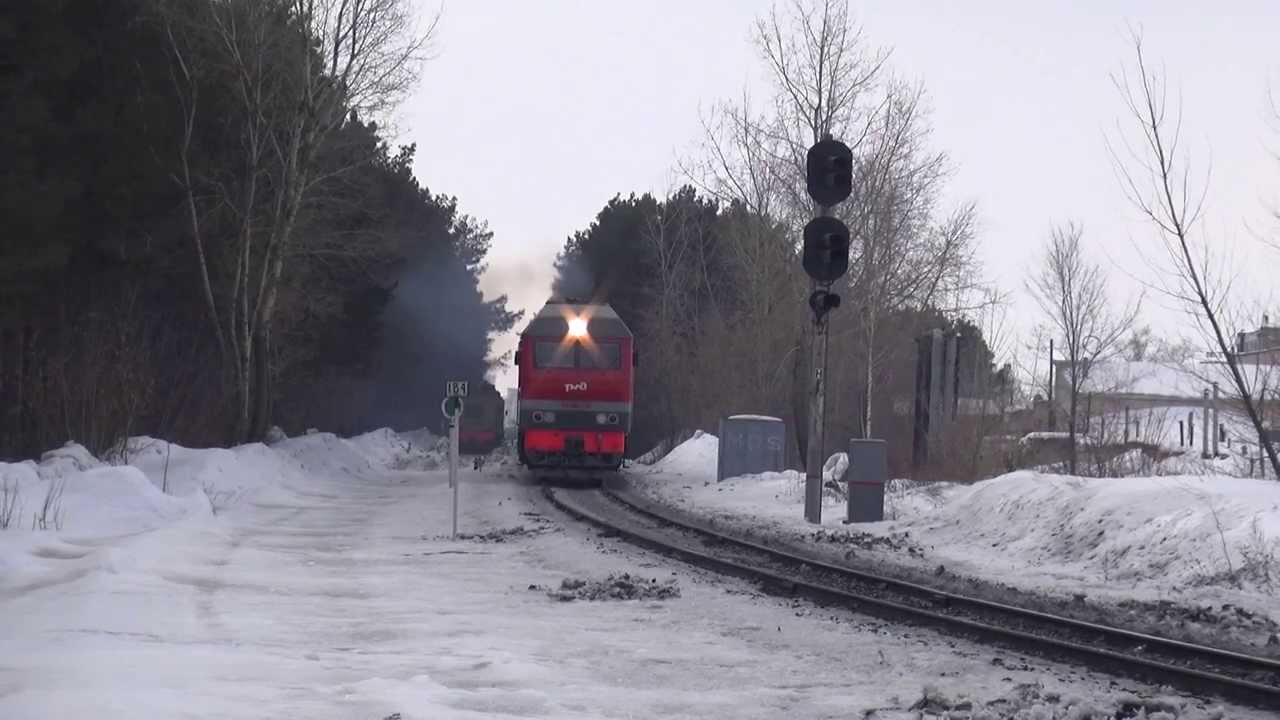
x=826 y=249
x=829 y=172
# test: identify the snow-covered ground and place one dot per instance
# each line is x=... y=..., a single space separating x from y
x=1198 y=540
x=315 y=578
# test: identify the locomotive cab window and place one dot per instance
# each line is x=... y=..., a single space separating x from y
x=553 y=354
x=601 y=356
x=597 y=356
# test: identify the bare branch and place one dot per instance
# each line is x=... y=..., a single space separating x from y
x=1157 y=180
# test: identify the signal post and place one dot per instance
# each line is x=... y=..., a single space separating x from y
x=455 y=391
x=829 y=180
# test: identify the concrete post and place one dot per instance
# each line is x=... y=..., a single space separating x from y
x=949 y=378
x=921 y=406
x=936 y=363
x=1126 y=424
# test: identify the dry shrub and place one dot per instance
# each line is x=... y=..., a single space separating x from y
x=10 y=507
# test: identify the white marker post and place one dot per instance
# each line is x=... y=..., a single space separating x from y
x=455 y=390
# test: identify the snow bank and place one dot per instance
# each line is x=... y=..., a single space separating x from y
x=74 y=495
x=57 y=511
x=1165 y=531
x=422 y=438
x=217 y=472
x=119 y=500
x=696 y=456
x=69 y=459
x=76 y=517
x=71 y=491
x=1206 y=538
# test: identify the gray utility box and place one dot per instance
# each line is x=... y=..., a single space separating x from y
x=750 y=444
x=868 y=471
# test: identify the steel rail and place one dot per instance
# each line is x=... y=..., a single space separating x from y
x=1200 y=669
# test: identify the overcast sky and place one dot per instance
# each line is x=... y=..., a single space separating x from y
x=534 y=114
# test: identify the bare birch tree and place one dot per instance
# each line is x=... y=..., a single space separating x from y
x=1072 y=292
x=1156 y=178
x=299 y=69
x=673 y=238
x=827 y=78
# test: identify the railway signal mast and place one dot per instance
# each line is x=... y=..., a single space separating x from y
x=451 y=406
x=829 y=180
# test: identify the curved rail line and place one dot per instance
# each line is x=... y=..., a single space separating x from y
x=1232 y=676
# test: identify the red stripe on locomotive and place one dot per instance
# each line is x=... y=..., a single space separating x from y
x=614 y=443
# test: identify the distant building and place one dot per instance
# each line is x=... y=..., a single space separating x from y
x=1128 y=383
x=1260 y=347
x=1117 y=392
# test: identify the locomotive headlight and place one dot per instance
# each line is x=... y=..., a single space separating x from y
x=602 y=419
x=577 y=327
x=548 y=416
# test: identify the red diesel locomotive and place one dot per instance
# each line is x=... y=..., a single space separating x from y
x=576 y=365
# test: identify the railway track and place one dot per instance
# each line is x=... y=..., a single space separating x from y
x=1231 y=676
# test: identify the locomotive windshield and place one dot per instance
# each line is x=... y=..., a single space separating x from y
x=597 y=356
x=601 y=356
x=553 y=354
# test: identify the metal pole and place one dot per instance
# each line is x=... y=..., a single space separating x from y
x=817 y=424
x=871 y=339
x=453 y=470
x=937 y=408
x=951 y=377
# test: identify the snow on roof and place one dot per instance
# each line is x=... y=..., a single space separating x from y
x=1145 y=378
x=1046 y=435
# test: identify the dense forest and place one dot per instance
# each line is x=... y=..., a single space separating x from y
x=206 y=233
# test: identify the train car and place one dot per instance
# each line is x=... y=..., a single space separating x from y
x=576 y=365
x=480 y=430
